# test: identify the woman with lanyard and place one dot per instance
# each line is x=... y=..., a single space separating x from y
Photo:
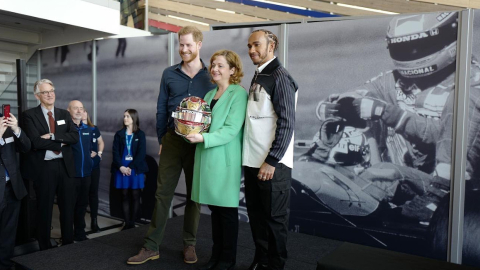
x=129 y=165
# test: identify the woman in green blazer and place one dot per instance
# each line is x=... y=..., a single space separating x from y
x=218 y=157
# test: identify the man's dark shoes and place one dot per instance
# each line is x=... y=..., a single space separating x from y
x=189 y=255
x=143 y=256
x=225 y=265
x=258 y=266
x=209 y=266
x=128 y=225
x=94 y=225
x=80 y=238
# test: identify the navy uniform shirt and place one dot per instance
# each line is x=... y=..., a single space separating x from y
x=82 y=151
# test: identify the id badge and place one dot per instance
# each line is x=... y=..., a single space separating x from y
x=128 y=157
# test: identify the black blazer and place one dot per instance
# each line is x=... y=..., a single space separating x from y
x=35 y=125
x=8 y=159
x=139 y=145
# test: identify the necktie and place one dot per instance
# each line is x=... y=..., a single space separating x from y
x=51 y=123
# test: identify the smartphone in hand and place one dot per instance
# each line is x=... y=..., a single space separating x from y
x=6 y=110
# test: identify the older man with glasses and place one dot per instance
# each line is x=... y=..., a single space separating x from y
x=50 y=165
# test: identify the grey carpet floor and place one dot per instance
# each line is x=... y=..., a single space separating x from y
x=112 y=251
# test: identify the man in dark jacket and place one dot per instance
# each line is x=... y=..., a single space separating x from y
x=82 y=154
x=50 y=163
x=268 y=151
x=12 y=189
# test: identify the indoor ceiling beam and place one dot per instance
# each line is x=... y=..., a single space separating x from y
x=13 y=47
x=245 y=9
x=19 y=36
x=327 y=7
x=398 y=6
x=177 y=22
x=203 y=12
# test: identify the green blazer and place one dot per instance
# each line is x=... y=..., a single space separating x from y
x=218 y=160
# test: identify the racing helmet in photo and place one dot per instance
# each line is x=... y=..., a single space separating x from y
x=420 y=45
x=193 y=116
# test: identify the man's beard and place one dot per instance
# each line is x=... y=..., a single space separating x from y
x=262 y=57
x=192 y=57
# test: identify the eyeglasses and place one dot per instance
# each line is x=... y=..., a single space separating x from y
x=44 y=93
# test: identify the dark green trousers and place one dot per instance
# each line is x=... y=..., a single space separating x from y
x=176 y=155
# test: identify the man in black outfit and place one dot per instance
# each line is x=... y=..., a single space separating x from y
x=50 y=163
x=12 y=189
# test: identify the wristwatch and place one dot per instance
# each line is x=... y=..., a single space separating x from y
x=51 y=136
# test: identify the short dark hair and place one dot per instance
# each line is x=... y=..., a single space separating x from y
x=135 y=119
x=270 y=37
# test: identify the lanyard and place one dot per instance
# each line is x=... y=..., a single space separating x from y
x=129 y=143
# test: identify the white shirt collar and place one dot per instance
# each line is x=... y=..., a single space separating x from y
x=260 y=68
x=45 y=111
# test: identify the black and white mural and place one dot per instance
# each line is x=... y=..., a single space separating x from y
x=373 y=128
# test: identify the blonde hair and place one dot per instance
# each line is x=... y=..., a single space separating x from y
x=89 y=122
x=233 y=61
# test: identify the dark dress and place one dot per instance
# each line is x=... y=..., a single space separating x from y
x=134 y=181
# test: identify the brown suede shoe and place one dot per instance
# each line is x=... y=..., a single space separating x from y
x=189 y=255
x=143 y=256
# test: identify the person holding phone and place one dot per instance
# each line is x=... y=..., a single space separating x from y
x=218 y=157
x=6 y=110
x=12 y=189
x=129 y=165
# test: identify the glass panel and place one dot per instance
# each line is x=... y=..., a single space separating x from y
x=69 y=67
x=129 y=73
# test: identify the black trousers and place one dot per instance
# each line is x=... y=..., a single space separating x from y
x=268 y=207
x=224 y=233
x=82 y=188
x=9 y=212
x=54 y=180
x=93 y=193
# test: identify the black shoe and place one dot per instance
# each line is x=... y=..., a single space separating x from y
x=225 y=265
x=80 y=238
x=208 y=266
x=258 y=266
x=128 y=225
x=94 y=225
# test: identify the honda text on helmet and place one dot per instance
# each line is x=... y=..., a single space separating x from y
x=421 y=45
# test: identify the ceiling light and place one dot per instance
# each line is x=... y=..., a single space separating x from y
x=224 y=10
x=188 y=20
x=364 y=8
